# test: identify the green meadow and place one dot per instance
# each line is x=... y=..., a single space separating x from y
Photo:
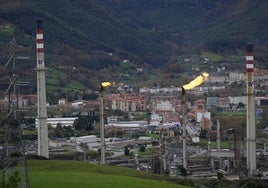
x=76 y=174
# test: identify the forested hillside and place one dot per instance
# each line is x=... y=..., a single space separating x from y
x=95 y=36
x=218 y=25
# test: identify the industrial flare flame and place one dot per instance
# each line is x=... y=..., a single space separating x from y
x=106 y=84
x=197 y=81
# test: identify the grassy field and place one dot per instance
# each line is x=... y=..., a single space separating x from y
x=235 y=113
x=211 y=56
x=224 y=144
x=75 y=174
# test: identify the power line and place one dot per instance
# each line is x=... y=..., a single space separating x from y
x=14 y=152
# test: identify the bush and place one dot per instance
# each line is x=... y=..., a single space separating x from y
x=183 y=171
x=142 y=149
x=220 y=175
x=126 y=151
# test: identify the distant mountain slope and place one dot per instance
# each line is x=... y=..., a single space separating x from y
x=86 y=26
x=217 y=24
x=95 y=36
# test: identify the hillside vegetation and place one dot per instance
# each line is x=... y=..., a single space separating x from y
x=89 y=39
x=75 y=174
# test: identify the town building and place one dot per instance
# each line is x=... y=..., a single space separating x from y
x=128 y=102
x=63 y=121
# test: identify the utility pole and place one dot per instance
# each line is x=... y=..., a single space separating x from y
x=14 y=153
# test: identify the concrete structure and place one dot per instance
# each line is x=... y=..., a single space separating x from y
x=251 y=124
x=127 y=124
x=103 y=85
x=86 y=139
x=184 y=111
x=65 y=121
x=223 y=153
x=102 y=136
x=41 y=93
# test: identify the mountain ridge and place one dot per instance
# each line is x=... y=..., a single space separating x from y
x=154 y=35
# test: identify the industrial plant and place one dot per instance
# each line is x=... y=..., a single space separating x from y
x=177 y=151
x=211 y=124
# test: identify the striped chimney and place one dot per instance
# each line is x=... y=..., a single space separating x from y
x=251 y=124
x=249 y=58
x=41 y=93
x=40 y=45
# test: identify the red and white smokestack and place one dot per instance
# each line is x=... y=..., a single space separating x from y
x=41 y=93
x=249 y=59
x=251 y=124
x=40 y=45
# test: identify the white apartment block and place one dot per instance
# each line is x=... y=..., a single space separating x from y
x=164 y=106
x=235 y=76
x=237 y=100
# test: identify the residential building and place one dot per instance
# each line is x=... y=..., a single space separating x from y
x=211 y=101
x=261 y=74
x=218 y=79
x=237 y=100
x=62 y=101
x=236 y=77
x=156 y=119
x=163 y=106
x=169 y=117
x=128 y=102
x=23 y=101
x=63 y=121
x=223 y=102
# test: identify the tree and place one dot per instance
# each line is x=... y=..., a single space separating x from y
x=142 y=148
x=241 y=105
x=58 y=132
x=183 y=171
x=263 y=123
x=126 y=151
x=203 y=133
x=13 y=180
x=220 y=175
x=83 y=123
x=89 y=96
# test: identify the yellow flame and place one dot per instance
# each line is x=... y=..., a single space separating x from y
x=197 y=81
x=106 y=84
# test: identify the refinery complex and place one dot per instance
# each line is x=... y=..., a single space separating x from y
x=180 y=133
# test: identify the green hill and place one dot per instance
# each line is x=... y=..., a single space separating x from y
x=76 y=174
x=68 y=174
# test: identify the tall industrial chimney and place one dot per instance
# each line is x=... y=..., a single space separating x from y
x=41 y=93
x=251 y=127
